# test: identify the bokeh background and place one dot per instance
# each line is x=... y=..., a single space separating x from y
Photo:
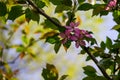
x=68 y=62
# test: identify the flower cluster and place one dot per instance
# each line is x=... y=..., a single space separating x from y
x=73 y=33
x=111 y=4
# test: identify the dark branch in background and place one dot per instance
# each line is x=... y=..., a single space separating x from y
x=96 y=62
x=40 y=11
x=115 y=63
x=10 y=37
x=13 y=61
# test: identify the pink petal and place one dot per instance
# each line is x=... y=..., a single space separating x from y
x=88 y=35
x=67 y=32
x=67 y=27
x=107 y=8
x=112 y=3
x=76 y=24
x=62 y=35
x=83 y=31
x=77 y=31
x=74 y=38
x=77 y=44
x=64 y=40
x=82 y=43
x=72 y=24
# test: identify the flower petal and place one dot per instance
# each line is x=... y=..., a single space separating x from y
x=64 y=40
x=72 y=24
x=82 y=43
x=74 y=38
x=88 y=35
x=77 y=44
x=76 y=24
x=62 y=35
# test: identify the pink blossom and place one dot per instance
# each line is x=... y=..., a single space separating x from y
x=72 y=26
x=80 y=43
x=73 y=33
x=65 y=35
x=111 y=4
x=79 y=40
x=86 y=34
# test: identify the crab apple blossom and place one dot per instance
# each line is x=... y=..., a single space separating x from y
x=111 y=4
x=72 y=26
x=73 y=33
x=65 y=35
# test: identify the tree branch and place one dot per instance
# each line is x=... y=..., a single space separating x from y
x=96 y=62
x=40 y=11
x=13 y=61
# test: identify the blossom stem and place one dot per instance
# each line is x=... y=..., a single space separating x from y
x=96 y=62
x=40 y=11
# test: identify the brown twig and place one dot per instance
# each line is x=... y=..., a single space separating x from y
x=13 y=61
x=96 y=62
x=40 y=11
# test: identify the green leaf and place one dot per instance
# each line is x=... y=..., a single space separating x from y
x=117 y=20
x=102 y=44
x=108 y=43
x=39 y=3
x=117 y=58
x=85 y=6
x=21 y=48
x=82 y=52
x=104 y=13
x=95 y=78
x=116 y=13
x=15 y=12
x=118 y=36
x=52 y=39
x=100 y=78
x=61 y=2
x=89 y=78
x=98 y=8
x=70 y=17
x=25 y=39
x=67 y=44
x=47 y=2
x=89 y=70
x=88 y=58
x=116 y=45
x=105 y=55
x=80 y=1
x=106 y=63
x=21 y=1
x=32 y=15
x=106 y=1
x=61 y=8
x=63 y=77
x=50 y=72
x=31 y=41
x=116 y=27
x=3 y=9
x=91 y=40
x=56 y=2
x=49 y=24
x=67 y=2
x=57 y=47
x=116 y=16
